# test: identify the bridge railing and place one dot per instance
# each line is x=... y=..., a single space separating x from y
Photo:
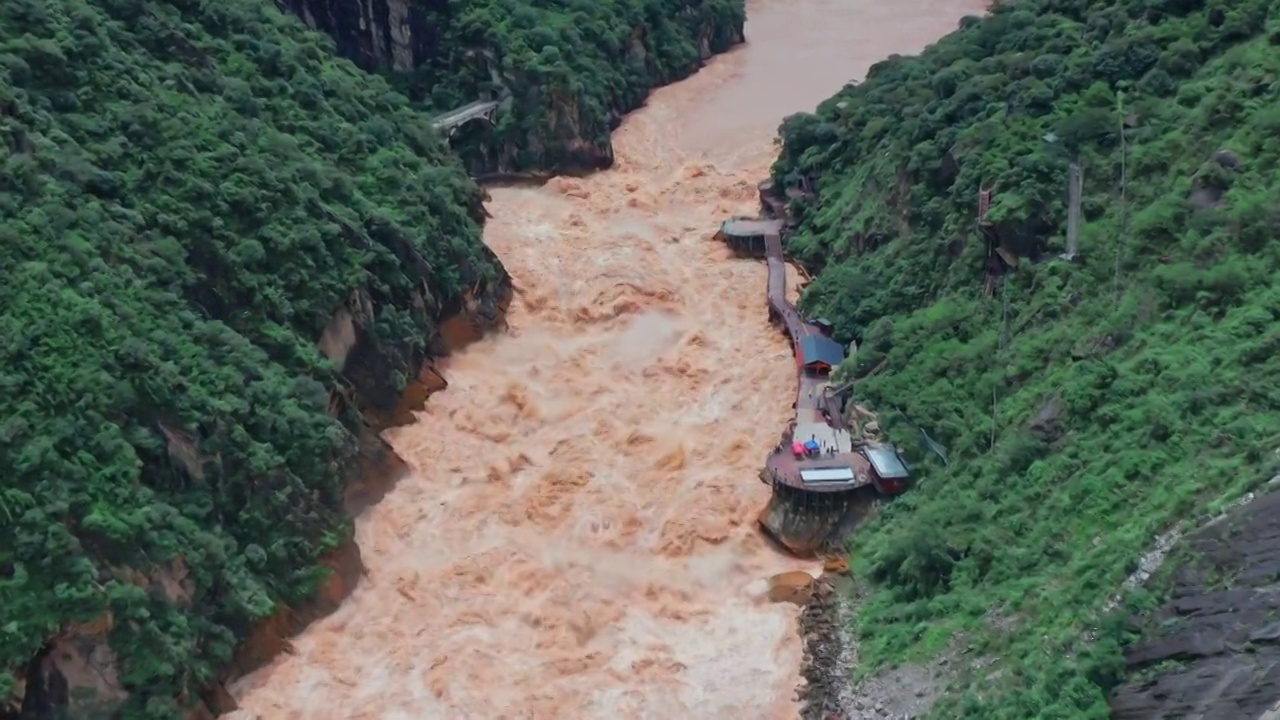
x=460 y=116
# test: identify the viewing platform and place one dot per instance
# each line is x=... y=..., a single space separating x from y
x=747 y=235
x=818 y=464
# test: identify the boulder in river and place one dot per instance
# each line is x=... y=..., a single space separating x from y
x=795 y=587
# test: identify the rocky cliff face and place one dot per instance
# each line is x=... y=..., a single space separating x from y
x=178 y=458
x=77 y=676
x=558 y=131
x=376 y=34
x=1212 y=651
x=372 y=366
x=561 y=104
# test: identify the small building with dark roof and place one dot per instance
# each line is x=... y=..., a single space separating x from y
x=824 y=325
x=889 y=471
x=818 y=354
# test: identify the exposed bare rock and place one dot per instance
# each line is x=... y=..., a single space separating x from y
x=1213 y=650
x=1047 y=423
x=831 y=658
x=76 y=674
x=793 y=587
x=1228 y=160
x=1211 y=182
x=406 y=36
x=376 y=34
x=271 y=636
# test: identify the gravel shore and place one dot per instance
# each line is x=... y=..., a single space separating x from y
x=831 y=656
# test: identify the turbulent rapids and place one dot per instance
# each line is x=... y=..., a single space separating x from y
x=577 y=537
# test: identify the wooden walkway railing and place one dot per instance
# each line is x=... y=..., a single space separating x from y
x=797 y=328
x=813 y=397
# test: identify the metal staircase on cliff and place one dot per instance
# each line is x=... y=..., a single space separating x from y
x=998 y=261
x=984 y=205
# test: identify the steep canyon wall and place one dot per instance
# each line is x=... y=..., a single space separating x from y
x=571 y=73
x=254 y=250
x=1063 y=403
x=225 y=255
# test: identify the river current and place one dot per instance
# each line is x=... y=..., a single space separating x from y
x=577 y=538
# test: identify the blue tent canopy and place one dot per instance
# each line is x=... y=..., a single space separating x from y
x=811 y=445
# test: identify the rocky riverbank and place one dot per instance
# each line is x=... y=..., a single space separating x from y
x=831 y=658
x=827 y=671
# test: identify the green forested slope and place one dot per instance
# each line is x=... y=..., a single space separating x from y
x=189 y=191
x=573 y=68
x=1151 y=365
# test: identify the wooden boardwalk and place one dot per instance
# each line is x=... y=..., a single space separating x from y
x=818 y=414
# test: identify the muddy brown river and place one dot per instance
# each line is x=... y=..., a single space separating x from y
x=577 y=538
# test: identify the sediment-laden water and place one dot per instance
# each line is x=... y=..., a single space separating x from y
x=577 y=538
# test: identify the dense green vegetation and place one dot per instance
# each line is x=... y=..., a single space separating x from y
x=573 y=68
x=189 y=192
x=1151 y=365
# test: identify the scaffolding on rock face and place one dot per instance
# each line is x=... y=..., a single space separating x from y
x=995 y=272
x=1124 y=193
x=1003 y=343
x=1004 y=313
x=987 y=229
x=1075 y=191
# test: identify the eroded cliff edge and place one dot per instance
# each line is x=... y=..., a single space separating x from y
x=224 y=256
x=571 y=71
